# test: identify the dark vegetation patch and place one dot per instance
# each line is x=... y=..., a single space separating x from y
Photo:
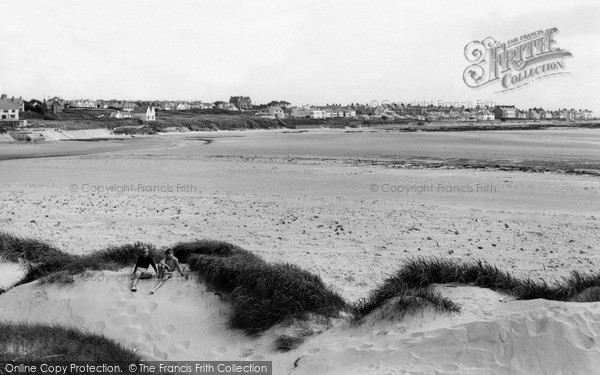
x=417 y=275
x=262 y=294
x=285 y=343
x=46 y=261
x=27 y=343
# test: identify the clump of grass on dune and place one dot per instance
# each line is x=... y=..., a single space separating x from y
x=13 y=247
x=405 y=300
x=426 y=271
x=53 y=265
x=423 y=272
x=23 y=342
x=278 y=293
x=220 y=264
x=262 y=294
x=184 y=250
x=410 y=288
x=285 y=343
x=223 y=273
x=591 y=294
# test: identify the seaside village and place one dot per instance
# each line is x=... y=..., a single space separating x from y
x=12 y=110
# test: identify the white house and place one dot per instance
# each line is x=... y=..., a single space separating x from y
x=120 y=114
x=316 y=114
x=276 y=111
x=183 y=106
x=9 y=110
x=144 y=113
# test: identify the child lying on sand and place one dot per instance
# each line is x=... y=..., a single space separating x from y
x=140 y=271
x=166 y=267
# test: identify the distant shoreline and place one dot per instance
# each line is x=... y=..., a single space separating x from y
x=465 y=127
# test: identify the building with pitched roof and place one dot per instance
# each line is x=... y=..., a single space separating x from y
x=241 y=102
x=144 y=113
x=505 y=112
x=9 y=111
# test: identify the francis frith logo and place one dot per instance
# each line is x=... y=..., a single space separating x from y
x=516 y=62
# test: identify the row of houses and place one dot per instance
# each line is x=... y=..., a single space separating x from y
x=235 y=103
x=510 y=112
x=126 y=105
x=501 y=112
x=323 y=112
x=281 y=109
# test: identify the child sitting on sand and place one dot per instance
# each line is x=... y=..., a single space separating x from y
x=166 y=267
x=140 y=271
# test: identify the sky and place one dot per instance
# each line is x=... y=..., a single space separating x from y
x=304 y=52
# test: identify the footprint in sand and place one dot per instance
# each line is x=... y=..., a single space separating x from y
x=220 y=349
x=147 y=337
x=144 y=320
x=160 y=354
x=121 y=320
x=131 y=333
x=246 y=352
x=168 y=329
x=365 y=346
x=313 y=350
x=184 y=344
x=175 y=297
x=152 y=306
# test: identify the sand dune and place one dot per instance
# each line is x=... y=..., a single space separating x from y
x=181 y=319
x=10 y=274
x=492 y=335
x=185 y=321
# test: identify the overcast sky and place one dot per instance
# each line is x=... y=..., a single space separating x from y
x=314 y=52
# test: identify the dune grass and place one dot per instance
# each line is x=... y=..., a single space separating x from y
x=44 y=261
x=262 y=294
x=412 y=283
x=422 y=272
x=404 y=299
x=285 y=343
x=22 y=342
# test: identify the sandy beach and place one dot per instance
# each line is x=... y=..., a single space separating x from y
x=349 y=206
